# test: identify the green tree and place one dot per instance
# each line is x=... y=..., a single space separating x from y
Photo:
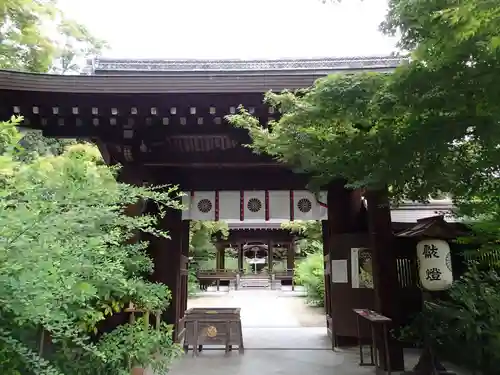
x=76 y=44
x=202 y=248
x=310 y=273
x=34 y=144
x=37 y=37
x=429 y=126
x=309 y=229
x=310 y=235
x=66 y=266
x=202 y=237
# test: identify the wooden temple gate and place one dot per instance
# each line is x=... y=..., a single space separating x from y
x=275 y=242
x=164 y=123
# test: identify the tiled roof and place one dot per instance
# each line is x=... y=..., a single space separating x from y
x=434 y=227
x=411 y=212
x=193 y=65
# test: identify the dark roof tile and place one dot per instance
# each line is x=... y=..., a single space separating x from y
x=192 y=65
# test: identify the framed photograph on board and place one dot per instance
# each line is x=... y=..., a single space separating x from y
x=361 y=268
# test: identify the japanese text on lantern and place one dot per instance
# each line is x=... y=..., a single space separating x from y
x=430 y=251
x=433 y=274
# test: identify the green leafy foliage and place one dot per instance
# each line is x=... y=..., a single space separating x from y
x=203 y=235
x=310 y=235
x=193 y=283
x=431 y=126
x=34 y=144
x=465 y=327
x=67 y=265
x=133 y=344
x=37 y=37
x=310 y=229
x=9 y=136
x=464 y=324
x=202 y=248
x=310 y=273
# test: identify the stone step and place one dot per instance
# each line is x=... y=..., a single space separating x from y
x=254 y=283
x=254 y=277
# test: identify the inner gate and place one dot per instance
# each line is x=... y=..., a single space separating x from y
x=164 y=122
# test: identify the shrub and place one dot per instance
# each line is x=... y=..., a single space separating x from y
x=193 y=283
x=310 y=273
x=464 y=326
x=67 y=265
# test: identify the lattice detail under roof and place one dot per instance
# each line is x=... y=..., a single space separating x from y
x=192 y=65
x=249 y=224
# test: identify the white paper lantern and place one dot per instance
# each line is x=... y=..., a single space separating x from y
x=434 y=264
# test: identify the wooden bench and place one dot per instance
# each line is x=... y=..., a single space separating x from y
x=216 y=276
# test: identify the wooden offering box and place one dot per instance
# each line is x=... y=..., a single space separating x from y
x=214 y=327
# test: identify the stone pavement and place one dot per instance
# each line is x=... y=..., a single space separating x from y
x=261 y=308
x=282 y=336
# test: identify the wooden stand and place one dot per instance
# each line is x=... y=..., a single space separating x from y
x=374 y=319
x=213 y=326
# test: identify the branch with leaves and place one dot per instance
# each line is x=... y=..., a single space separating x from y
x=66 y=264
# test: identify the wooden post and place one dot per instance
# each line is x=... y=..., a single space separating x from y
x=166 y=255
x=290 y=256
x=385 y=277
x=327 y=280
x=222 y=255
x=185 y=271
x=343 y=210
x=217 y=258
x=290 y=261
x=219 y=262
x=270 y=257
x=240 y=257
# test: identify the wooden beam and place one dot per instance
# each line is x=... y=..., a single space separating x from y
x=213 y=165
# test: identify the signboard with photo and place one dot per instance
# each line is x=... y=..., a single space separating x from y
x=361 y=268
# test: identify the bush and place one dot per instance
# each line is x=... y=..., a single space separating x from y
x=310 y=273
x=193 y=283
x=465 y=325
x=67 y=266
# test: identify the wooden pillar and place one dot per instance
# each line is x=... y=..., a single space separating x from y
x=343 y=210
x=217 y=257
x=222 y=255
x=185 y=275
x=290 y=261
x=385 y=277
x=167 y=257
x=328 y=280
x=240 y=257
x=270 y=257
x=290 y=256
